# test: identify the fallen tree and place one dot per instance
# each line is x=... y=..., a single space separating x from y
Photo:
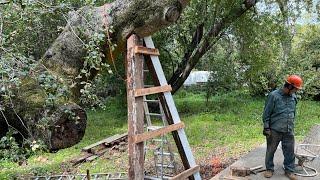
x=61 y=122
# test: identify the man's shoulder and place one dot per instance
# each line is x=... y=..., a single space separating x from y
x=276 y=92
x=294 y=95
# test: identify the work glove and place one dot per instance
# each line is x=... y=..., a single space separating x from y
x=267 y=132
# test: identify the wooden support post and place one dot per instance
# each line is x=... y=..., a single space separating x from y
x=134 y=70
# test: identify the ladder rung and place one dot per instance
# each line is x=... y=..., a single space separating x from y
x=153 y=114
x=152 y=128
x=155 y=178
x=159 y=140
x=185 y=174
x=152 y=90
x=150 y=100
x=145 y=50
x=164 y=153
x=151 y=134
x=165 y=165
x=148 y=86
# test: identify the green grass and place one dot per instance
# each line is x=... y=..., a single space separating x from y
x=225 y=126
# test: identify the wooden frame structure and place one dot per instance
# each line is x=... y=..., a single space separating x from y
x=136 y=55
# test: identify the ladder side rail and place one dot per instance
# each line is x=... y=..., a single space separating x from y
x=163 y=118
x=170 y=150
x=171 y=107
x=146 y=111
x=145 y=103
x=171 y=156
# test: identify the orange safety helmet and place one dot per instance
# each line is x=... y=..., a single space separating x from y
x=295 y=81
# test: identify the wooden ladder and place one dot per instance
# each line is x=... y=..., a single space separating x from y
x=136 y=54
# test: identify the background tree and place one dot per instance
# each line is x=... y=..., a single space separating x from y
x=305 y=59
x=263 y=35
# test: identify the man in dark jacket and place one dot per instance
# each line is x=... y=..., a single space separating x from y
x=278 y=120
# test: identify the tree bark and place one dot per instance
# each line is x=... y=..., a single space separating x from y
x=63 y=124
x=204 y=43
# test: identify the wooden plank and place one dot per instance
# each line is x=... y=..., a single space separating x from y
x=147 y=51
x=151 y=134
x=81 y=159
x=152 y=90
x=172 y=113
x=96 y=155
x=134 y=71
x=105 y=141
x=185 y=174
x=91 y=158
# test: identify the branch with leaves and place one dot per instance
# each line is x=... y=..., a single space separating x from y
x=202 y=43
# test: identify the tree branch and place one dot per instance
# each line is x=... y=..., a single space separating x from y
x=191 y=59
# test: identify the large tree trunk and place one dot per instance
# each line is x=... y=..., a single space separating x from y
x=62 y=124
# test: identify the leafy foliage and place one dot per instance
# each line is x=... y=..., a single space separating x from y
x=261 y=42
x=305 y=58
x=10 y=150
x=260 y=51
x=223 y=63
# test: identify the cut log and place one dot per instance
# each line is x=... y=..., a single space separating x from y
x=63 y=128
x=68 y=128
x=28 y=112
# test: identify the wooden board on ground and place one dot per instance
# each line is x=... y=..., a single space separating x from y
x=93 y=151
x=104 y=142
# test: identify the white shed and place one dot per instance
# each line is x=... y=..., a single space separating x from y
x=197 y=77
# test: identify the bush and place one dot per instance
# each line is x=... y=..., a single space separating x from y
x=11 y=150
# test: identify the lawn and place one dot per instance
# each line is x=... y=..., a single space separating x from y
x=227 y=126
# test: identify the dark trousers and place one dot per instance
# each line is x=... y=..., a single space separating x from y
x=287 y=142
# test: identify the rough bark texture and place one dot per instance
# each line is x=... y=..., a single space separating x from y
x=65 y=59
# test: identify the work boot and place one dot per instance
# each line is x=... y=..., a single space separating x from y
x=268 y=174
x=291 y=176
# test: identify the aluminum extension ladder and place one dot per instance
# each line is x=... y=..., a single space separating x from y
x=98 y=176
x=164 y=162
